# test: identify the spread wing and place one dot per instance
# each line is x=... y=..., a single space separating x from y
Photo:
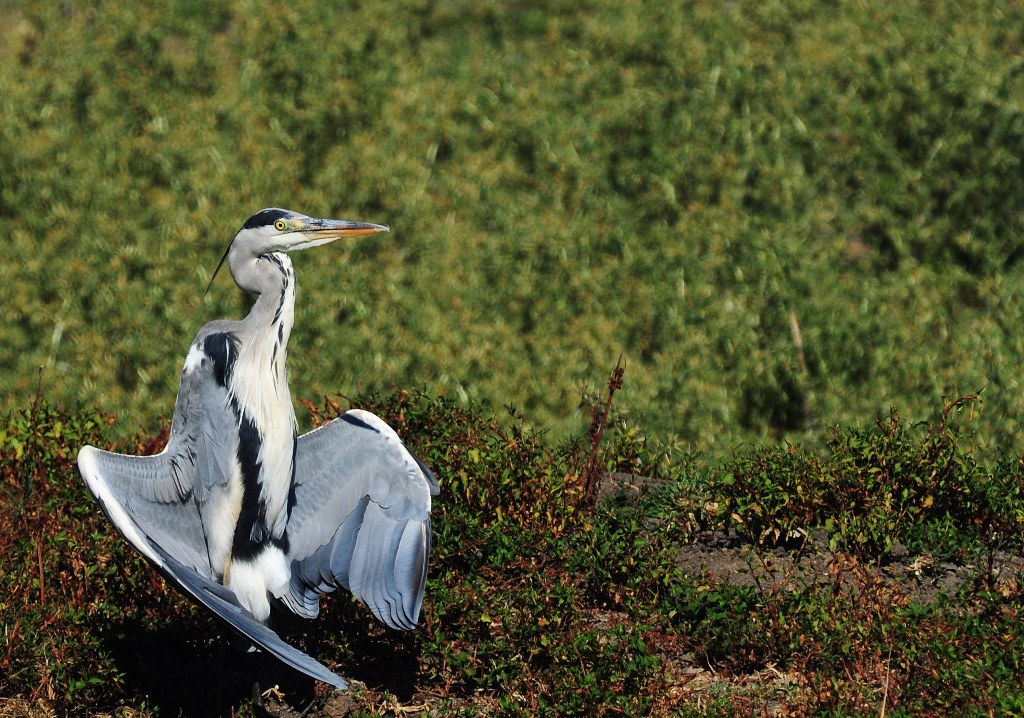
x=167 y=506
x=360 y=520
x=162 y=500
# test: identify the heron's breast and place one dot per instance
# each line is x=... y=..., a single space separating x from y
x=261 y=390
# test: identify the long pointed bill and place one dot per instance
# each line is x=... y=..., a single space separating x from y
x=322 y=231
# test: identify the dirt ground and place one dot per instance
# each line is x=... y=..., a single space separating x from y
x=920 y=577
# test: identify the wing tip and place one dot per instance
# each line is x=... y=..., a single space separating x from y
x=86 y=459
x=88 y=467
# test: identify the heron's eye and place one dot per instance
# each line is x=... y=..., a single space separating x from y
x=280 y=225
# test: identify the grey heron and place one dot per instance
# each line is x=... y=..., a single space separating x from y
x=240 y=511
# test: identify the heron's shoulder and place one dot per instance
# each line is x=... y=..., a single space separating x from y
x=214 y=349
x=218 y=326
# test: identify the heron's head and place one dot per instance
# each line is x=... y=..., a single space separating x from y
x=282 y=230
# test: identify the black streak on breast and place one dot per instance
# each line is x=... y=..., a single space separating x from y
x=251 y=531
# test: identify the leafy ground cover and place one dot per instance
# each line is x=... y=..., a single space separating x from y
x=764 y=586
x=783 y=214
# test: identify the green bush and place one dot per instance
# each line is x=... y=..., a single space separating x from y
x=918 y=485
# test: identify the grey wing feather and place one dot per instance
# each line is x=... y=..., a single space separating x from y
x=361 y=519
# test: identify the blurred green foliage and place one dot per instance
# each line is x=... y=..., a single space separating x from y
x=784 y=214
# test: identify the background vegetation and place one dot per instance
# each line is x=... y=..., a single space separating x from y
x=788 y=217
x=687 y=183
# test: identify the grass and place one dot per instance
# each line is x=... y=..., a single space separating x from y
x=782 y=216
x=542 y=603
